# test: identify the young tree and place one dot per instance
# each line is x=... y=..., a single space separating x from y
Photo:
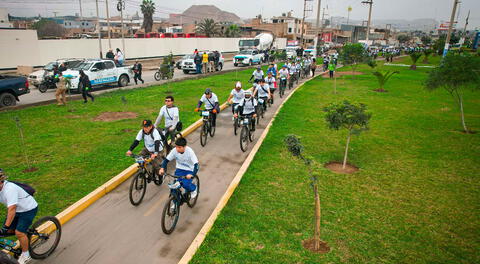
x=148 y=9
x=403 y=38
x=48 y=28
x=208 y=27
x=233 y=31
x=454 y=74
x=350 y=116
x=426 y=40
x=414 y=56
x=382 y=78
x=372 y=63
x=296 y=148
x=353 y=54
x=426 y=54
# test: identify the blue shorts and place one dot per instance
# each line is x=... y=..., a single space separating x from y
x=186 y=183
x=23 y=221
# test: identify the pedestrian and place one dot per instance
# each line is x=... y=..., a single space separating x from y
x=195 y=51
x=86 y=86
x=331 y=69
x=60 y=93
x=119 y=58
x=205 y=62
x=198 y=63
x=62 y=67
x=211 y=61
x=313 y=66
x=110 y=55
x=217 y=58
x=137 y=70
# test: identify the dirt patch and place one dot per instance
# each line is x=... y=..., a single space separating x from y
x=309 y=244
x=31 y=169
x=337 y=167
x=114 y=116
x=381 y=90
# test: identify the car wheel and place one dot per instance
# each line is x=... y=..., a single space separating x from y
x=219 y=67
x=235 y=64
x=123 y=81
x=185 y=72
x=7 y=99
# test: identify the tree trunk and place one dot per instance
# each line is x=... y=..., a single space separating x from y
x=346 y=150
x=460 y=102
x=317 y=217
x=335 y=86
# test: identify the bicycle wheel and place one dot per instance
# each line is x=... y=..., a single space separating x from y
x=204 y=134
x=244 y=139
x=138 y=187
x=170 y=214
x=157 y=76
x=235 y=126
x=44 y=237
x=212 y=129
x=191 y=202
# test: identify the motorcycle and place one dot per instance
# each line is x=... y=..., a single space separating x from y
x=48 y=82
x=165 y=71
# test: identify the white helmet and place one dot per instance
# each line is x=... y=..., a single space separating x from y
x=249 y=93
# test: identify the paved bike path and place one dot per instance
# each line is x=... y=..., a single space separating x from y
x=113 y=231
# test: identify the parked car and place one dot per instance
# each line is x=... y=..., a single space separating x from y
x=100 y=73
x=179 y=63
x=248 y=57
x=11 y=87
x=35 y=78
x=189 y=65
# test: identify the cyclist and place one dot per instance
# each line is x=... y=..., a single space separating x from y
x=236 y=96
x=298 y=68
x=21 y=210
x=257 y=75
x=211 y=104
x=172 y=117
x=271 y=69
x=262 y=91
x=270 y=80
x=152 y=142
x=283 y=73
x=292 y=71
x=247 y=108
x=186 y=165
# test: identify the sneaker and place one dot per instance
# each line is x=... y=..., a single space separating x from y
x=24 y=259
x=193 y=194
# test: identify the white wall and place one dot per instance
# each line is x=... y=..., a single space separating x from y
x=21 y=47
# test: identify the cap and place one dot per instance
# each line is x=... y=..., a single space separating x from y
x=208 y=91
x=238 y=85
x=284 y=66
x=147 y=123
x=259 y=68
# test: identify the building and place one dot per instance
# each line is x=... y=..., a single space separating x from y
x=285 y=26
x=4 y=19
x=293 y=25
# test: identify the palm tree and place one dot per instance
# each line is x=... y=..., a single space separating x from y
x=148 y=8
x=208 y=27
x=382 y=78
x=233 y=31
x=414 y=56
x=426 y=53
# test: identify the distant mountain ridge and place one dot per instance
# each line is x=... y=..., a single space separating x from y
x=200 y=12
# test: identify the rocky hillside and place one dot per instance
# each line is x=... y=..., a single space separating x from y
x=200 y=12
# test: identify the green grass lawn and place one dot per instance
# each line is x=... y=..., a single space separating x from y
x=433 y=60
x=415 y=199
x=74 y=154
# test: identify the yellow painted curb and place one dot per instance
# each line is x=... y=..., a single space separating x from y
x=192 y=249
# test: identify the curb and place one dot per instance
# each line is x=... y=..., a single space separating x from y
x=198 y=240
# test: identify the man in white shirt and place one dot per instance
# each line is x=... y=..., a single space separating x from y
x=22 y=209
x=262 y=91
x=152 y=142
x=247 y=108
x=236 y=96
x=186 y=165
x=210 y=100
x=270 y=80
x=172 y=116
x=257 y=75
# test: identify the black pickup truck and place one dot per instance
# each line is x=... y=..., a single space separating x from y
x=11 y=87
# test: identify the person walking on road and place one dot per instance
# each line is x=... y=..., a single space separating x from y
x=313 y=66
x=137 y=70
x=60 y=93
x=86 y=86
x=331 y=69
x=119 y=58
x=205 y=62
x=110 y=55
x=198 y=63
x=21 y=210
x=211 y=62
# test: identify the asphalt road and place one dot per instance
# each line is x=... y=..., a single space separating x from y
x=35 y=96
x=113 y=231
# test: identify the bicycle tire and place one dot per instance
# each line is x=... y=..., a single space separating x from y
x=168 y=213
x=212 y=130
x=139 y=183
x=203 y=135
x=191 y=202
x=38 y=240
x=244 y=139
x=157 y=76
x=235 y=126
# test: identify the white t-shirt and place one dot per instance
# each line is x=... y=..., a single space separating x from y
x=248 y=106
x=270 y=82
x=185 y=160
x=12 y=194
x=209 y=102
x=171 y=117
x=237 y=96
x=293 y=69
x=262 y=91
x=148 y=140
x=283 y=73
x=257 y=75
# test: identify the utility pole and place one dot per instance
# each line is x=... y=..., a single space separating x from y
x=317 y=26
x=123 y=33
x=321 y=28
x=303 y=20
x=349 y=9
x=108 y=26
x=452 y=18
x=81 y=14
x=369 y=2
x=466 y=24
x=99 y=32
x=55 y=13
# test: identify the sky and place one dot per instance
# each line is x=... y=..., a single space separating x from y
x=382 y=9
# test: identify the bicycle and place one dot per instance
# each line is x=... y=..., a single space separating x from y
x=168 y=145
x=236 y=122
x=207 y=127
x=292 y=79
x=246 y=134
x=262 y=107
x=282 y=86
x=143 y=176
x=44 y=230
x=171 y=210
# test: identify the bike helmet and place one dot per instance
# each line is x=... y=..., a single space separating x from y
x=284 y=66
x=238 y=85
x=249 y=93
x=208 y=91
x=259 y=68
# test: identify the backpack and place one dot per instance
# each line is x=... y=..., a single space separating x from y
x=27 y=188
